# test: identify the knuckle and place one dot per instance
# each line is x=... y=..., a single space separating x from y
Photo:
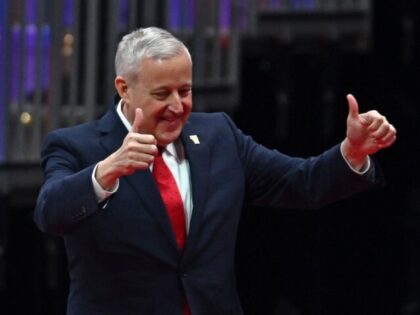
x=130 y=164
x=130 y=155
x=131 y=145
x=151 y=139
x=393 y=129
x=153 y=149
x=130 y=135
x=385 y=129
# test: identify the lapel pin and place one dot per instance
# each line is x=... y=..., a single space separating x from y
x=194 y=139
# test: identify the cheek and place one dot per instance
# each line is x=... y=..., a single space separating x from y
x=187 y=112
x=153 y=110
x=150 y=120
x=188 y=106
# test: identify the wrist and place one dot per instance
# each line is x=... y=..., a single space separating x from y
x=353 y=155
x=105 y=176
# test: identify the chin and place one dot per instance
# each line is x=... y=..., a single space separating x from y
x=168 y=137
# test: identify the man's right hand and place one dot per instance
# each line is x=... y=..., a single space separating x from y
x=137 y=152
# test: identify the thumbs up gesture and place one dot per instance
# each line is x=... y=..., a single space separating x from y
x=137 y=152
x=138 y=121
x=366 y=134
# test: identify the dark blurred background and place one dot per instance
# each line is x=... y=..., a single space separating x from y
x=281 y=69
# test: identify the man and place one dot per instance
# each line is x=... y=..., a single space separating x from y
x=103 y=192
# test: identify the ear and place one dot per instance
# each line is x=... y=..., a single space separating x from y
x=122 y=88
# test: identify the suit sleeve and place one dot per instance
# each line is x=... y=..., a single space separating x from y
x=67 y=196
x=274 y=179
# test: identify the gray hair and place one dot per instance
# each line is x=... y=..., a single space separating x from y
x=151 y=42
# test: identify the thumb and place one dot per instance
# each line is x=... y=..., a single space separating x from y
x=138 y=120
x=353 y=106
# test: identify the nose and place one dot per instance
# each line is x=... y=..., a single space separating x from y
x=175 y=104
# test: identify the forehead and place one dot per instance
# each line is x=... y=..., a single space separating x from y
x=178 y=68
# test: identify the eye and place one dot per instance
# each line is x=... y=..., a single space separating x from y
x=184 y=92
x=161 y=95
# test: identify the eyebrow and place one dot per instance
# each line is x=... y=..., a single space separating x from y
x=164 y=87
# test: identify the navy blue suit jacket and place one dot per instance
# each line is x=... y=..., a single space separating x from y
x=123 y=258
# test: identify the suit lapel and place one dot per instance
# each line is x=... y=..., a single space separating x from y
x=198 y=155
x=112 y=131
x=148 y=196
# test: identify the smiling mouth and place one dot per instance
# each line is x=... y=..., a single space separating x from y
x=172 y=122
x=172 y=119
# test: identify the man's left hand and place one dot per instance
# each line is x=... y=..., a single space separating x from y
x=366 y=134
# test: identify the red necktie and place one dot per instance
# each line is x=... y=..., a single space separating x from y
x=173 y=203
x=171 y=198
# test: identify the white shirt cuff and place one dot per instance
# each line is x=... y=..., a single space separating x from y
x=100 y=193
x=365 y=168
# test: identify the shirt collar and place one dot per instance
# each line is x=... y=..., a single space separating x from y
x=122 y=117
x=176 y=149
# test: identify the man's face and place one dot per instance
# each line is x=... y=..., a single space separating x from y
x=163 y=92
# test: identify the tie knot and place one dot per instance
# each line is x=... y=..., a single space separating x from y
x=160 y=151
